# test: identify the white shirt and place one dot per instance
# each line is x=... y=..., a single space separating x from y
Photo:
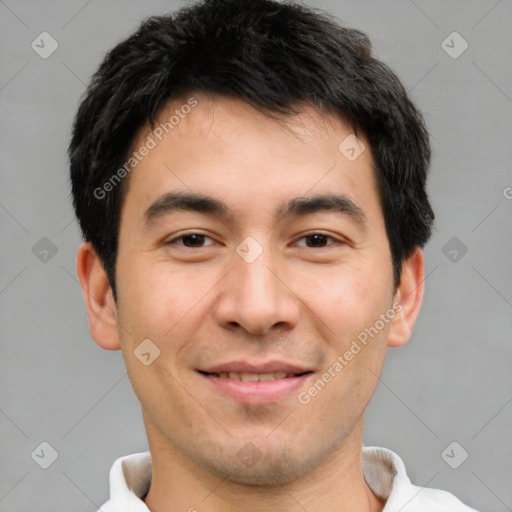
x=383 y=470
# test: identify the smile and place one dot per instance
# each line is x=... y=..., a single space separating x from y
x=255 y=388
x=253 y=377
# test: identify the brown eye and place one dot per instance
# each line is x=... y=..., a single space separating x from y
x=317 y=240
x=193 y=240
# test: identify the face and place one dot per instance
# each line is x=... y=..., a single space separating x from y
x=256 y=299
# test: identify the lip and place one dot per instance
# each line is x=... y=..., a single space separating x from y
x=257 y=393
x=267 y=367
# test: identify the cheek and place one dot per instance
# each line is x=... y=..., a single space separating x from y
x=154 y=297
x=167 y=307
x=157 y=305
x=347 y=301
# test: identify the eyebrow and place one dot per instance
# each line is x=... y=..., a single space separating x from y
x=171 y=202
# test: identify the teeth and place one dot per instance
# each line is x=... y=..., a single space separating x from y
x=253 y=377
x=249 y=377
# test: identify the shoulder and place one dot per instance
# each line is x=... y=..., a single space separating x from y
x=385 y=474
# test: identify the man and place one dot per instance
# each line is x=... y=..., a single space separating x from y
x=250 y=184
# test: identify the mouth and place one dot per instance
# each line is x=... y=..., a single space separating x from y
x=256 y=386
x=254 y=377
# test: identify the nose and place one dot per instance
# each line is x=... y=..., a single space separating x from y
x=257 y=296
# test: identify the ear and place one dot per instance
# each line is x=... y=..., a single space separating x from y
x=409 y=295
x=99 y=301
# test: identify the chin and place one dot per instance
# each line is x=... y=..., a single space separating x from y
x=251 y=467
x=267 y=477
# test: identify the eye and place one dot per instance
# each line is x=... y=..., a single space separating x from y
x=197 y=240
x=191 y=240
x=318 y=240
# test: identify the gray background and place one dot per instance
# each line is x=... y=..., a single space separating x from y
x=451 y=382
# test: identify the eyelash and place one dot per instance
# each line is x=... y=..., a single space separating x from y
x=173 y=241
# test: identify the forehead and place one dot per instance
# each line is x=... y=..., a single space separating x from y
x=223 y=146
x=214 y=115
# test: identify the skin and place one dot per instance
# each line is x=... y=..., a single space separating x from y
x=203 y=305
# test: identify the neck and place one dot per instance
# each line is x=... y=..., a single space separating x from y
x=337 y=484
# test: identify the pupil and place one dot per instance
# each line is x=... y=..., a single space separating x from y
x=317 y=238
x=196 y=240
